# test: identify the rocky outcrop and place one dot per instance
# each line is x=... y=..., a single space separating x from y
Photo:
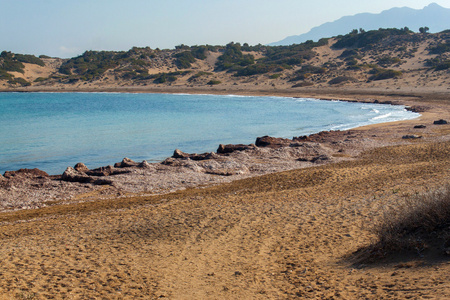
x=180 y=154
x=320 y=158
x=440 y=122
x=230 y=148
x=272 y=142
x=420 y=126
x=80 y=167
x=26 y=173
x=106 y=171
x=144 y=164
x=72 y=175
x=126 y=163
x=326 y=136
x=194 y=156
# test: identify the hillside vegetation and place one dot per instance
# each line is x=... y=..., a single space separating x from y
x=360 y=57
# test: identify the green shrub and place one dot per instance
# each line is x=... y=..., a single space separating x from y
x=30 y=59
x=386 y=61
x=214 y=82
x=233 y=57
x=40 y=79
x=275 y=76
x=445 y=65
x=9 y=63
x=199 y=52
x=440 y=48
x=255 y=69
x=438 y=63
x=5 y=75
x=198 y=75
x=348 y=52
x=382 y=74
x=184 y=59
x=166 y=77
x=367 y=39
x=19 y=81
x=93 y=64
x=311 y=69
x=13 y=66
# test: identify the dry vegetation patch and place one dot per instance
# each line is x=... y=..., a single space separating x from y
x=417 y=225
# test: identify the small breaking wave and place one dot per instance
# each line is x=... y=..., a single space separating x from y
x=381 y=117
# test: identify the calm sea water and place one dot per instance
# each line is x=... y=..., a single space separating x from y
x=52 y=131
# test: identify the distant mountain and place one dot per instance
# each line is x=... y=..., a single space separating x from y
x=433 y=16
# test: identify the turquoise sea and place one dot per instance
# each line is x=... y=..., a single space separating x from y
x=52 y=131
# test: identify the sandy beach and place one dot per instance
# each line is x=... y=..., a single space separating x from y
x=278 y=219
x=288 y=226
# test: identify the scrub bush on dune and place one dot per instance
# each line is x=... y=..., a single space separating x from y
x=419 y=224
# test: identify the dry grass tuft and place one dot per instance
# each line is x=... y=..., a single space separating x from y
x=420 y=224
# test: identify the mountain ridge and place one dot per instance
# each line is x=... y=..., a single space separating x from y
x=434 y=16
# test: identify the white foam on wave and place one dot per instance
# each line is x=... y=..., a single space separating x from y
x=381 y=117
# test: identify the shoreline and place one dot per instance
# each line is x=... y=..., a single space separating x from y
x=31 y=191
x=252 y=94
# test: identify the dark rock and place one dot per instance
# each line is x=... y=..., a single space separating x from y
x=325 y=136
x=204 y=156
x=417 y=108
x=102 y=181
x=272 y=142
x=80 y=167
x=26 y=173
x=72 y=175
x=296 y=145
x=411 y=136
x=170 y=161
x=440 y=122
x=303 y=138
x=106 y=171
x=179 y=154
x=144 y=164
x=230 y=148
x=194 y=156
x=319 y=158
x=103 y=171
x=126 y=163
x=420 y=126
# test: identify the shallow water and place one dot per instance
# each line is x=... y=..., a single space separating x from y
x=51 y=131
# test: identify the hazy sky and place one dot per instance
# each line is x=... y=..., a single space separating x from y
x=66 y=28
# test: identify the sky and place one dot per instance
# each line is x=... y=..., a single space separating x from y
x=67 y=28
